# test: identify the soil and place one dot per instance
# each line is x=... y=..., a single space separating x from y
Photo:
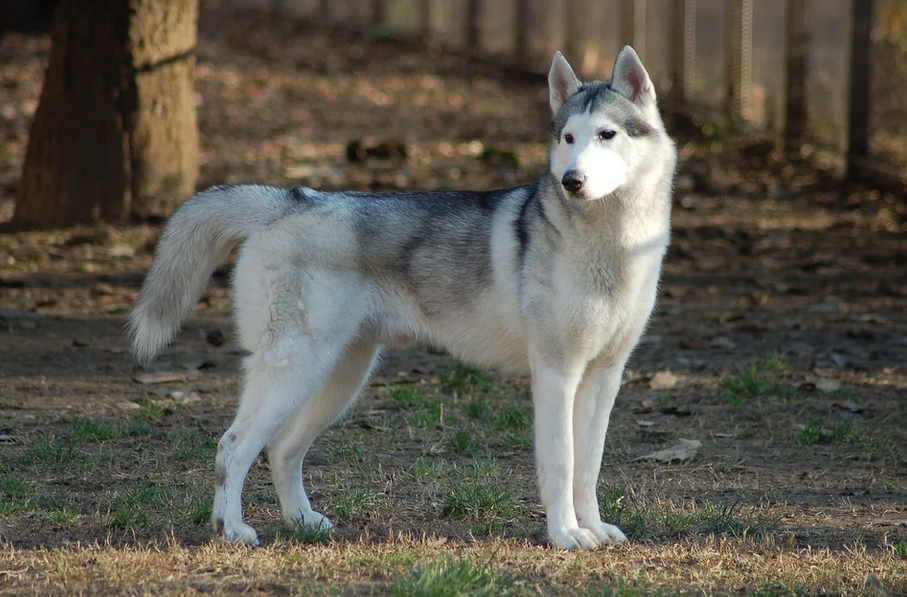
x=777 y=270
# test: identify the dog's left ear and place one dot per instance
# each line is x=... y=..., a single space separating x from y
x=630 y=78
x=562 y=82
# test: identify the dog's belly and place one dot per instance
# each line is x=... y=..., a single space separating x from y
x=471 y=338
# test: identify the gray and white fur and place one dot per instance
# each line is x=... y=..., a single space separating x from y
x=555 y=279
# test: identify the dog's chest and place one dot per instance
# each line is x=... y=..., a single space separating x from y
x=607 y=304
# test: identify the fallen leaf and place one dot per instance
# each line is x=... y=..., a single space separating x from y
x=684 y=450
x=157 y=377
x=825 y=384
x=644 y=423
x=663 y=380
x=722 y=342
x=849 y=407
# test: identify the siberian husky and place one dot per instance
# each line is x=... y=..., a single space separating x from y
x=555 y=279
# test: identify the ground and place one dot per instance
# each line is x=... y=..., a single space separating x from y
x=779 y=344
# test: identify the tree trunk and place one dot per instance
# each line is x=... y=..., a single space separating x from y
x=115 y=131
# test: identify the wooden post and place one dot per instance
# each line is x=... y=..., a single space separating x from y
x=573 y=37
x=860 y=77
x=683 y=50
x=379 y=13
x=739 y=58
x=473 y=44
x=521 y=23
x=634 y=26
x=797 y=58
x=425 y=19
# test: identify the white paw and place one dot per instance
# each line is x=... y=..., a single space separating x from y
x=607 y=534
x=572 y=538
x=238 y=532
x=310 y=519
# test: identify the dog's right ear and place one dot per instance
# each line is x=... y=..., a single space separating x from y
x=562 y=82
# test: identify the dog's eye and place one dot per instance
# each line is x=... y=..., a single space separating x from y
x=606 y=135
x=568 y=139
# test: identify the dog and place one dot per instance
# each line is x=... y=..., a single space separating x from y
x=556 y=279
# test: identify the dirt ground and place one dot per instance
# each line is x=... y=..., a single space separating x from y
x=780 y=344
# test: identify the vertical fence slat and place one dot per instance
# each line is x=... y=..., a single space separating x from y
x=573 y=16
x=860 y=77
x=682 y=52
x=472 y=26
x=379 y=13
x=425 y=19
x=634 y=26
x=521 y=24
x=799 y=28
x=739 y=58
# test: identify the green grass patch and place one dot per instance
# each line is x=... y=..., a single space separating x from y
x=353 y=502
x=776 y=362
x=93 y=430
x=61 y=516
x=640 y=520
x=349 y=450
x=900 y=550
x=449 y=577
x=513 y=417
x=49 y=450
x=198 y=505
x=304 y=534
x=463 y=379
x=188 y=445
x=424 y=468
x=15 y=495
x=747 y=383
x=814 y=432
x=478 y=408
x=157 y=505
x=429 y=415
x=152 y=410
x=409 y=395
x=479 y=498
x=461 y=441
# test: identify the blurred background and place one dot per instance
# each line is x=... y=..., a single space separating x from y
x=761 y=84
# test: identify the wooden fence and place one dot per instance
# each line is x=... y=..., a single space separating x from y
x=823 y=77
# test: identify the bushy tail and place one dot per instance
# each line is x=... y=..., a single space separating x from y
x=196 y=240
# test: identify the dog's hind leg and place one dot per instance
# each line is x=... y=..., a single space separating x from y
x=591 y=413
x=280 y=380
x=288 y=449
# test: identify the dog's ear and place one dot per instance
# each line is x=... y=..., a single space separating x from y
x=562 y=82
x=630 y=78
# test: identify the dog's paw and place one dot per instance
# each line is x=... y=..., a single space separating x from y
x=318 y=521
x=313 y=519
x=238 y=532
x=607 y=534
x=573 y=538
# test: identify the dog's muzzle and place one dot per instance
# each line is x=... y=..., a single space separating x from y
x=573 y=181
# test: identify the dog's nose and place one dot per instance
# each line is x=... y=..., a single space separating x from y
x=573 y=181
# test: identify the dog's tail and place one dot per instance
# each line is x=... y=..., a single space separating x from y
x=197 y=238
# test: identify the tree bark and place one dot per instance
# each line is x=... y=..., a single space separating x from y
x=115 y=133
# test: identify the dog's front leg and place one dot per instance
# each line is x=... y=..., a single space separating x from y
x=591 y=413
x=553 y=392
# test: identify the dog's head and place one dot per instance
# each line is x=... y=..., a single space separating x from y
x=602 y=132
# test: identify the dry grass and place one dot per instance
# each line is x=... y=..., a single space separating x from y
x=700 y=566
